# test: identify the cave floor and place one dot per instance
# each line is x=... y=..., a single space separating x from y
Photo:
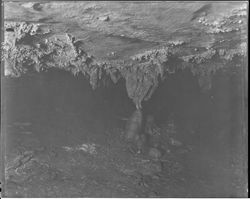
x=60 y=148
x=51 y=160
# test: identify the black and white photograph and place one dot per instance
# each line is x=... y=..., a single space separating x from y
x=124 y=99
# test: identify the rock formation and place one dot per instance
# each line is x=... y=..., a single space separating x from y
x=142 y=43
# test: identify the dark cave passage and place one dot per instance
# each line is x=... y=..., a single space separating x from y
x=62 y=106
x=124 y=100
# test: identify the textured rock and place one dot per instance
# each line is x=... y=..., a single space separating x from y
x=155 y=153
x=141 y=43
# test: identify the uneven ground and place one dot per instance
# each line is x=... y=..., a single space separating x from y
x=68 y=141
x=74 y=71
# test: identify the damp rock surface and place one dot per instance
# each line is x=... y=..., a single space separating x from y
x=65 y=140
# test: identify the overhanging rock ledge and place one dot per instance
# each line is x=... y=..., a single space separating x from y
x=144 y=57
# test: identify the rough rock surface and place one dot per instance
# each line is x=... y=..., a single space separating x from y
x=139 y=42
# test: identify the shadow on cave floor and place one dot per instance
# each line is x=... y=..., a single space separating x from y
x=65 y=140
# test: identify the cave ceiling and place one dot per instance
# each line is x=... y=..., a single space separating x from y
x=130 y=40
